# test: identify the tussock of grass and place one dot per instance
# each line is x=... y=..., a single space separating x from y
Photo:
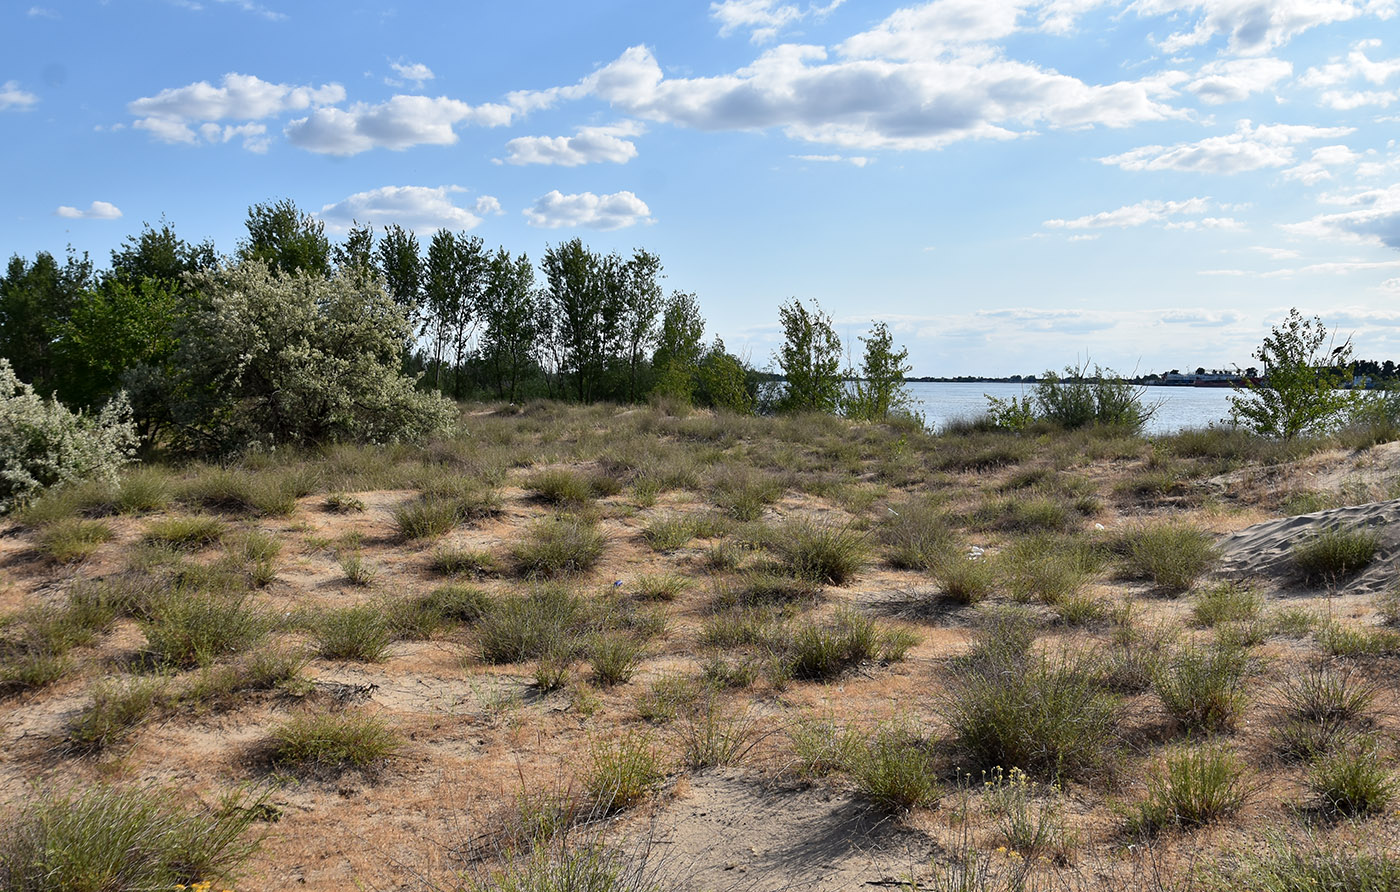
x=823 y=552
x=362 y=633
x=669 y=533
x=1203 y=687
x=187 y=533
x=660 y=586
x=1355 y=781
x=545 y=622
x=1224 y=603
x=334 y=741
x=560 y=545
x=464 y=562
x=1193 y=786
x=219 y=687
x=1335 y=553
x=192 y=627
x=918 y=536
x=894 y=768
x=1172 y=554
x=823 y=652
x=457 y=603
x=968 y=580
x=623 y=772
x=71 y=540
x=713 y=737
x=117 y=708
x=123 y=840
x=614 y=658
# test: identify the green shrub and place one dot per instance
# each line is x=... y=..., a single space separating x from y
x=660 y=586
x=822 y=552
x=968 y=580
x=1202 y=688
x=1354 y=781
x=71 y=540
x=614 y=658
x=43 y=445
x=188 y=533
x=123 y=840
x=669 y=534
x=463 y=562
x=712 y=737
x=457 y=603
x=894 y=768
x=1172 y=554
x=1224 y=603
x=1048 y=716
x=1192 y=787
x=361 y=633
x=559 y=545
x=117 y=708
x=1047 y=568
x=560 y=486
x=191 y=627
x=1335 y=553
x=622 y=772
x=333 y=741
x=544 y=622
x=822 y=652
x=918 y=536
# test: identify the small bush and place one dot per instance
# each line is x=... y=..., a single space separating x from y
x=967 y=580
x=122 y=840
x=333 y=741
x=186 y=533
x=1321 y=694
x=822 y=652
x=1046 y=568
x=117 y=708
x=1202 y=688
x=614 y=658
x=894 y=768
x=1354 y=782
x=545 y=622
x=42 y=444
x=560 y=486
x=560 y=545
x=711 y=737
x=622 y=772
x=426 y=518
x=660 y=586
x=1192 y=787
x=1047 y=716
x=1225 y=603
x=1173 y=555
x=1335 y=553
x=71 y=540
x=463 y=562
x=822 y=552
x=458 y=603
x=918 y=536
x=359 y=633
x=193 y=628
x=669 y=534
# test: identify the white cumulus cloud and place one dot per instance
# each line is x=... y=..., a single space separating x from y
x=410 y=71
x=12 y=97
x=555 y=210
x=398 y=123
x=98 y=210
x=1252 y=27
x=857 y=160
x=1236 y=79
x=1248 y=148
x=1135 y=214
x=1320 y=166
x=421 y=208
x=763 y=19
x=170 y=115
x=1371 y=216
x=590 y=145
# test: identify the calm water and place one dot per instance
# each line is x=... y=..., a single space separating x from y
x=1181 y=407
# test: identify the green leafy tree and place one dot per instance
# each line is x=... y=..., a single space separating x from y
x=355 y=255
x=641 y=301
x=810 y=360
x=162 y=255
x=270 y=359
x=579 y=295
x=285 y=239
x=454 y=279
x=1302 y=395
x=401 y=263
x=113 y=328
x=878 y=390
x=510 y=312
x=725 y=382
x=36 y=300
x=679 y=346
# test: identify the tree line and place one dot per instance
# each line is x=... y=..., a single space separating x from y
x=455 y=316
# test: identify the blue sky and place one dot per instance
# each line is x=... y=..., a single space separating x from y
x=1011 y=184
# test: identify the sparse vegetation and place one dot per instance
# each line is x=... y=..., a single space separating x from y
x=1334 y=553
x=317 y=741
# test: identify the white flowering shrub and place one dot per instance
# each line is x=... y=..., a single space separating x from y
x=42 y=444
x=271 y=359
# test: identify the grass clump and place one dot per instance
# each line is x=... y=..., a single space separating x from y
x=362 y=633
x=463 y=562
x=823 y=652
x=1048 y=568
x=545 y=622
x=744 y=494
x=1192 y=787
x=614 y=658
x=560 y=545
x=117 y=708
x=71 y=540
x=1048 y=716
x=918 y=536
x=712 y=737
x=1172 y=554
x=185 y=533
x=443 y=506
x=1354 y=781
x=622 y=772
x=1312 y=866
x=1323 y=694
x=218 y=687
x=193 y=627
x=1335 y=553
x=669 y=533
x=660 y=586
x=825 y=553
x=967 y=579
x=560 y=486
x=1202 y=687
x=1228 y=602
x=123 y=840
x=1029 y=816
x=894 y=768
x=333 y=741
x=343 y=503
x=757 y=587
x=463 y=604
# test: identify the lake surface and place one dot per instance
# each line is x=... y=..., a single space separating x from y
x=1180 y=407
